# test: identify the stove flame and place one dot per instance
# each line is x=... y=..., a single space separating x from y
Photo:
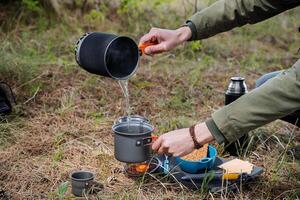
x=138 y=169
x=142 y=168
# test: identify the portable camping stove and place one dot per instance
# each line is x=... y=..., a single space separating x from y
x=139 y=169
x=213 y=179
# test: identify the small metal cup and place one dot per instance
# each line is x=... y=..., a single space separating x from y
x=81 y=182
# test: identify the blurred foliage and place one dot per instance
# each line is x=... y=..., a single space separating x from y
x=195 y=45
x=30 y=30
x=95 y=16
x=33 y=38
x=132 y=11
x=32 y=5
x=180 y=100
x=166 y=124
x=62 y=189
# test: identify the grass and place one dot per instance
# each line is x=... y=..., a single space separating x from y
x=63 y=117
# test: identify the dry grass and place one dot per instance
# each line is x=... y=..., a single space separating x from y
x=74 y=133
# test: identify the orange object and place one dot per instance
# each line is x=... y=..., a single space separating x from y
x=197 y=154
x=146 y=44
x=141 y=168
x=154 y=138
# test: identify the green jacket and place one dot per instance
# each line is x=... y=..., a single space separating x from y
x=276 y=98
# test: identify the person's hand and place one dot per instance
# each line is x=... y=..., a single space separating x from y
x=166 y=39
x=179 y=142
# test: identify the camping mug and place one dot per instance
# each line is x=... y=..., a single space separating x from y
x=108 y=54
x=132 y=140
x=81 y=182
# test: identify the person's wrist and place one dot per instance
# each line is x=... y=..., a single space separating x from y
x=202 y=134
x=184 y=34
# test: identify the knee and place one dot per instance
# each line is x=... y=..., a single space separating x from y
x=261 y=80
x=258 y=82
x=264 y=78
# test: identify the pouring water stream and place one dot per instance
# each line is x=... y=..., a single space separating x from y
x=124 y=86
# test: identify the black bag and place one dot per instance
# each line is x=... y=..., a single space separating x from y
x=6 y=99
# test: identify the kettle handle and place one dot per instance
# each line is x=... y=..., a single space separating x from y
x=143 y=46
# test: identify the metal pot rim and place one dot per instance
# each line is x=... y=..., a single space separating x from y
x=115 y=126
x=137 y=118
x=136 y=66
x=83 y=179
x=78 y=46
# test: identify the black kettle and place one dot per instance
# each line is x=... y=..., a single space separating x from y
x=109 y=55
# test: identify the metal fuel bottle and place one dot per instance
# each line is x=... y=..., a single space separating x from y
x=237 y=88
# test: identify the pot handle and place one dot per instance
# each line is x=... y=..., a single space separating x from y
x=146 y=141
x=154 y=138
x=143 y=46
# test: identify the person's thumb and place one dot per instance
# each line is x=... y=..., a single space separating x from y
x=156 y=144
x=154 y=49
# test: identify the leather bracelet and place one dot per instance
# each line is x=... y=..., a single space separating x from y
x=192 y=133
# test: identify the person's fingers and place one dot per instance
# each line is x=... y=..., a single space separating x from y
x=156 y=145
x=154 y=49
x=153 y=35
x=148 y=37
x=179 y=154
x=163 y=150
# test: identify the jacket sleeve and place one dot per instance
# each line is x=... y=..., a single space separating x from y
x=276 y=98
x=225 y=15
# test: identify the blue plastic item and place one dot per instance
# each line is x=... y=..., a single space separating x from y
x=166 y=164
x=194 y=166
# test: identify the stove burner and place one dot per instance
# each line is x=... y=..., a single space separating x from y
x=139 y=169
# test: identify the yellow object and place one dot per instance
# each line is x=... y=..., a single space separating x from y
x=230 y=176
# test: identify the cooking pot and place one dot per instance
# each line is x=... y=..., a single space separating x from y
x=132 y=141
x=108 y=54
